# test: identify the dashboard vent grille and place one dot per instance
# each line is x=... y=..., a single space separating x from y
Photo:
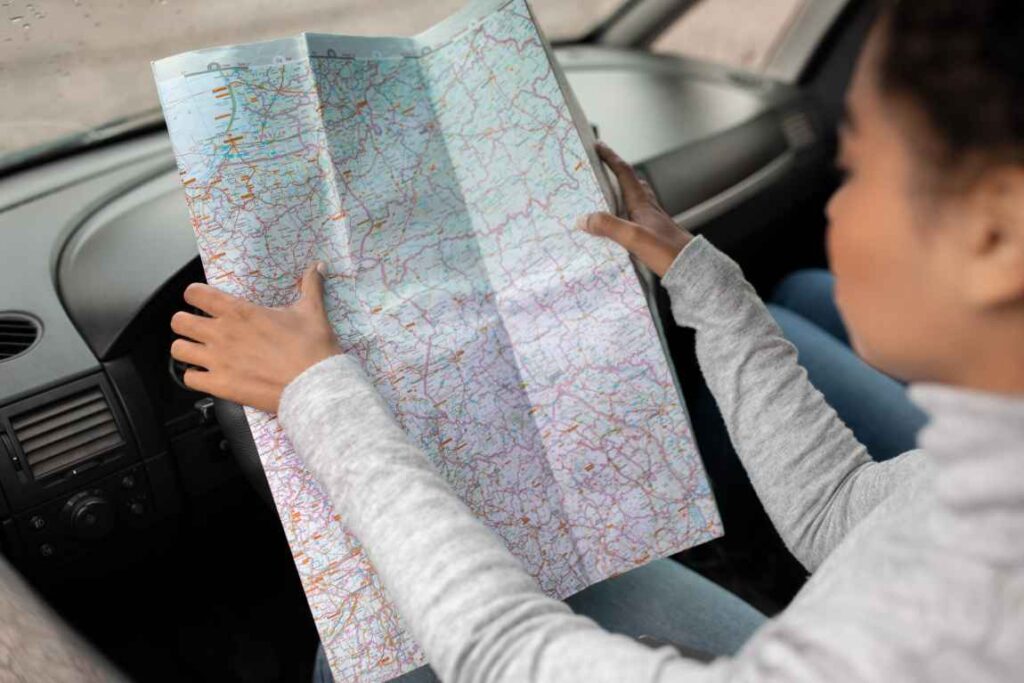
x=798 y=129
x=17 y=334
x=66 y=433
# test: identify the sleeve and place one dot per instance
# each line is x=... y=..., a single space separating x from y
x=477 y=614
x=814 y=478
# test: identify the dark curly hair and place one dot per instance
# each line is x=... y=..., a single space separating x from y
x=961 y=62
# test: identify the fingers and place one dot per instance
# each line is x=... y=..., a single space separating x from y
x=190 y=352
x=195 y=327
x=311 y=287
x=633 y=191
x=249 y=393
x=649 y=192
x=199 y=380
x=210 y=299
x=633 y=237
x=606 y=225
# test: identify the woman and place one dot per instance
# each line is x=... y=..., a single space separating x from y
x=918 y=562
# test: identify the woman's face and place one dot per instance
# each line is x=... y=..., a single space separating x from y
x=889 y=240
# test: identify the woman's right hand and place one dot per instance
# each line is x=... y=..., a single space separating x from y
x=650 y=234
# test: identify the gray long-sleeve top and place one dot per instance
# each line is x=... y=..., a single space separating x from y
x=918 y=562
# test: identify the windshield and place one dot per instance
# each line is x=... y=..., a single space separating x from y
x=71 y=66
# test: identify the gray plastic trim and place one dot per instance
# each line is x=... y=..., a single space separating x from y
x=639 y=23
x=803 y=37
x=146 y=235
x=709 y=209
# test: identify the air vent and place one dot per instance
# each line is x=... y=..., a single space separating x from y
x=66 y=433
x=798 y=129
x=17 y=334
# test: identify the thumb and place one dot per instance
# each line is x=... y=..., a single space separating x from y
x=311 y=287
x=635 y=238
x=614 y=228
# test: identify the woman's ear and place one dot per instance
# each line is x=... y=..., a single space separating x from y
x=995 y=239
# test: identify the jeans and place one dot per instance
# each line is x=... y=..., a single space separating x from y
x=873 y=405
x=662 y=599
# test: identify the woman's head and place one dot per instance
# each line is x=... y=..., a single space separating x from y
x=926 y=234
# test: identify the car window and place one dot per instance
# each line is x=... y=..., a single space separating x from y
x=69 y=66
x=738 y=33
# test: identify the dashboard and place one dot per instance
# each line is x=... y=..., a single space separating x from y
x=100 y=442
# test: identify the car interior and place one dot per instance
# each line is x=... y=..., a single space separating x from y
x=138 y=508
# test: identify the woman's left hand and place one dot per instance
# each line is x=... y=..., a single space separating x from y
x=247 y=353
x=650 y=234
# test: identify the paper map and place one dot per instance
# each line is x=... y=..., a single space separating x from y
x=439 y=177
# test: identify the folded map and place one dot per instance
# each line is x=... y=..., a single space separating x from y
x=439 y=178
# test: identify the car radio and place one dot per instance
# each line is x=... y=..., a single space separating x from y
x=70 y=472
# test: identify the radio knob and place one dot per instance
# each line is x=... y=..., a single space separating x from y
x=89 y=515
